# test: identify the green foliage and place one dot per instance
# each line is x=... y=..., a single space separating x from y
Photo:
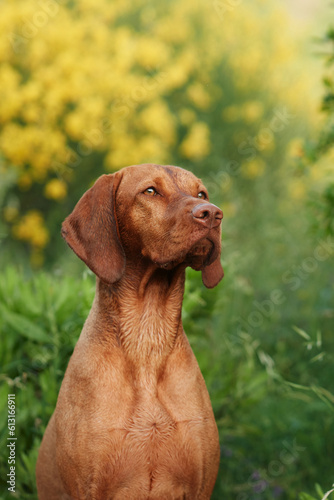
x=319 y=152
x=271 y=443
x=40 y=322
x=326 y=139
x=320 y=494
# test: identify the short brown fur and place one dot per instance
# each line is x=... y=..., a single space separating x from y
x=133 y=419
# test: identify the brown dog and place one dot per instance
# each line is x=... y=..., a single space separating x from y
x=133 y=419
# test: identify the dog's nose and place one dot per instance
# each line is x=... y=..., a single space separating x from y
x=207 y=214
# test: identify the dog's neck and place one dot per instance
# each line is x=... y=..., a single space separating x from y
x=141 y=313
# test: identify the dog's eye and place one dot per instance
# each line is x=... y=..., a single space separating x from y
x=151 y=191
x=202 y=195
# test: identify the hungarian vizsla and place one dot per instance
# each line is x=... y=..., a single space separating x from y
x=133 y=419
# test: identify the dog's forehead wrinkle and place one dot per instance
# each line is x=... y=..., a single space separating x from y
x=183 y=180
x=177 y=179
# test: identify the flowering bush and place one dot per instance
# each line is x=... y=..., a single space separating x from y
x=321 y=153
x=91 y=86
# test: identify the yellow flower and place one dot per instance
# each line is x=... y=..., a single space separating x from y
x=31 y=113
x=295 y=147
x=150 y=55
x=74 y=125
x=157 y=119
x=10 y=137
x=199 y=96
x=10 y=213
x=55 y=189
x=253 y=168
x=317 y=174
x=25 y=182
x=10 y=102
x=265 y=139
x=252 y=111
x=196 y=145
x=123 y=152
x=171 y=30
x=297 y=189
x=31 y=229
x=176 y=76
x=152 y=150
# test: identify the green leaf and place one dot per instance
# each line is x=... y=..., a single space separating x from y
x=318 y=357
x=326 y=495
x=302 y=333
x=23 y=326
x=306 y=496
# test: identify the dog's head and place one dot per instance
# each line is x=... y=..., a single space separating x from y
x=154 y=212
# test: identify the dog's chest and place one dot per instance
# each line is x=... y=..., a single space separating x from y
x=153 y=450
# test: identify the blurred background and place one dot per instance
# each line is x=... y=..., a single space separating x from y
x=241 y=93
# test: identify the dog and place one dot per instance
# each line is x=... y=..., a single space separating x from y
x=133 y=420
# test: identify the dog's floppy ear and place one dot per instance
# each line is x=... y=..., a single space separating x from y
x=91 y=230
x=213 y=273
